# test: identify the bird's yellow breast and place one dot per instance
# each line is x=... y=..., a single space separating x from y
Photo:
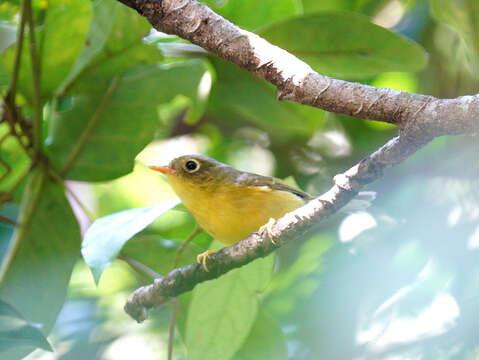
x=231 y=212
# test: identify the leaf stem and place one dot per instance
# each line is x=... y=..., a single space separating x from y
x=140 y=267
x=63 y=183
x=183 y=246
x=18 y=55
x=36 y=73
x=7 y=220
x=91 y=124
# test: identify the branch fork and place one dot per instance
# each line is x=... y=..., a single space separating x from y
x=420 y=118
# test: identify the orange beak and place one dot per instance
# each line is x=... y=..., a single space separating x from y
x=163 y=169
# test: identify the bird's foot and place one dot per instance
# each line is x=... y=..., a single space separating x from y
x=268 y=228
x=201 y=258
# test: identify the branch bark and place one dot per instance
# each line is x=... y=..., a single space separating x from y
x=420 y=118
x=297 y=81
x=286 y=229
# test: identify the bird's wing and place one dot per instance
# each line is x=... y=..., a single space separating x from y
x=271 y=183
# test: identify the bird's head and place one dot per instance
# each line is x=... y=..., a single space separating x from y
x=195 y=169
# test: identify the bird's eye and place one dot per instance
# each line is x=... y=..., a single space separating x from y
x=192 y=166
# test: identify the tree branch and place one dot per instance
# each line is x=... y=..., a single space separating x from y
x=296 y=81
x=420 y=118
x=286 y=229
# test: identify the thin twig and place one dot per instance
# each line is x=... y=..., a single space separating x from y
x=14 y=117
x=185 y=243
x=140 y=267
x=8 y=220
x=62 y=182
x=12 y=91
x=36 y=73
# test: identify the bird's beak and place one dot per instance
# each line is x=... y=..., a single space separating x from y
x=163 y=169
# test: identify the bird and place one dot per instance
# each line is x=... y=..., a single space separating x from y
x=227 y=203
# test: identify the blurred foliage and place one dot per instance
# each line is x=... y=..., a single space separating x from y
x=400 y=281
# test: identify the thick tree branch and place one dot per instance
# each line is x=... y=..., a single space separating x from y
x=296 y=81
x=286 y=229
x=420 y=118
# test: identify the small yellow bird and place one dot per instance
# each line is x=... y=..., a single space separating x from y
x=227 y=203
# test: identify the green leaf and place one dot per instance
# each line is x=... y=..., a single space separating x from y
x=8 y=36
x=59 y=41
x=107 y=235
x=266 y=340
x=345 y=45
x=247 y=99
x=102 y=21
x=36 y=271
x=15 y=331
x=363 y=6
x=9 y=10
x=299 y=280
x=60 y=48
x=222 y=311
x=6 y=230
x=158 y=253
x=15 y=156
x=252 y=14
x=463 y=16
x=112 y=119
x=114 y=44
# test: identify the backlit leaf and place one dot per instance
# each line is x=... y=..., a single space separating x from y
x=16 y=331
x=107 y=235
x=112 y=118
x=222 y=311
x=40 y=256
x=345 y=45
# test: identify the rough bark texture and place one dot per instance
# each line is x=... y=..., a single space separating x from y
x=420 y=118
x=296 y=81
x=288 y=228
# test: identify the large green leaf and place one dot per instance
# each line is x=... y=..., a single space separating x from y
x=107 y=235
x=59 y=41
x=115 y=37
x=223 y=311
x=42 y=253
x=102 y=21
x=243 y=97
x=6 y=230
x=15 y=156
x=345 y=45
x=113 y=118
x=159 y=253
x=108 y=111
x=300 y=279
x=60 y=48
x=463 y=16
x=363 y=6
x=265 y=341
x=15 y=331
x=252 y=14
